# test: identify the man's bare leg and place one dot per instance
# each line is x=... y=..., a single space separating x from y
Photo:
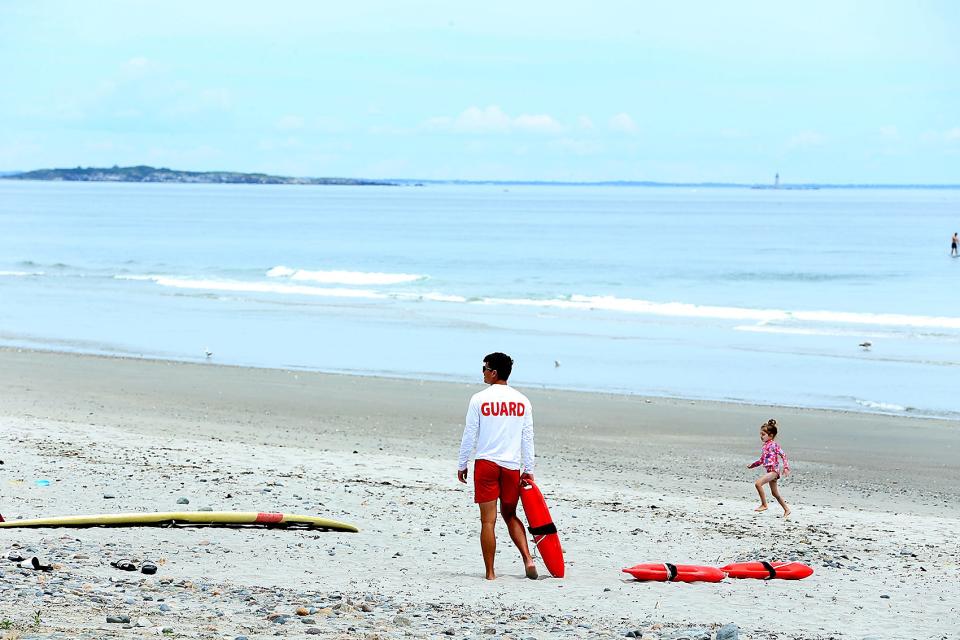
x=488 y=537
x=519 y=537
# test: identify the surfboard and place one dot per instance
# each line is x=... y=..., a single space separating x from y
x=541 y=527
x=187 y=518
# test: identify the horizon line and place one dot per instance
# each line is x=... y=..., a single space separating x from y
x=782 y=186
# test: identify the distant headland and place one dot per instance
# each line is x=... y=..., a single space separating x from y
x=144 y=173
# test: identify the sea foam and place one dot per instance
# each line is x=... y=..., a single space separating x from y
x=688 y=310
x=769 y=320
x=881 y=406
x=364 y=278
x=238 y=286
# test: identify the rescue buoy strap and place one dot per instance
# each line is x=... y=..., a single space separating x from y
x=770 y=569
x=671 y=571
x=543 y=530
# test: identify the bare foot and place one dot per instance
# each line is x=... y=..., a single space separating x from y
x=762 y=507
x=531 y=571
x=786 y=514
x=491 y=576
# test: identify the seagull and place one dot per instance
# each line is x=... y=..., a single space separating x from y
x=865 y=345
x=208 y=353
x=556 y=363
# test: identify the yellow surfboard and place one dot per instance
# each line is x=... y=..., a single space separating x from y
x=187 y=518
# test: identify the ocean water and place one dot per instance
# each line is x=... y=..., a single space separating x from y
x=757 y=296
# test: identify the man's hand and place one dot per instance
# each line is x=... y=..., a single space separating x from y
x=462 y=475
x=526 y=476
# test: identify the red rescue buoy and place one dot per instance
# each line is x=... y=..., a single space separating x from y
x=768 y=570
x=666 y=572
x=542 y=528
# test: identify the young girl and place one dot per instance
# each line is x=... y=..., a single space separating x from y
x=769 y=458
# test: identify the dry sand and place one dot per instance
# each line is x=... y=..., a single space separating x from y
x=628 y=479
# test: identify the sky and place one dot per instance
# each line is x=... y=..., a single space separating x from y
x=734 y=91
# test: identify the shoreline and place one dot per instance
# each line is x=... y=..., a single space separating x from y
x=628 y=480
x=454 y=380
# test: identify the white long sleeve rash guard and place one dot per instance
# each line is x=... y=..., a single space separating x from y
x=499 y=426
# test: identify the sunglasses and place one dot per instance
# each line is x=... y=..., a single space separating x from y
x=486 y=368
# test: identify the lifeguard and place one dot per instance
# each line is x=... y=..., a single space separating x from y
x=499 y=428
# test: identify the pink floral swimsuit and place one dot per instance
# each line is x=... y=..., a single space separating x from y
x=768 y=458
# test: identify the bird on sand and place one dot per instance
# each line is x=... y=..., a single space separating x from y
x=865 y=345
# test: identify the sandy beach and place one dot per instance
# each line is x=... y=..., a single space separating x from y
x=628 y=479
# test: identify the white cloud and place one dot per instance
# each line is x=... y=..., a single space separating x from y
x=212 y=99
x=578 y=147
x=807 y=140
x=540 y=123
x=953 y=135
x=135 y=66
x=889 y=132
x=733 y=134
x=216 y=98
x=290 y=122
x=584 y=122
x=281 y=144
x=623 y=123
x=493 y=119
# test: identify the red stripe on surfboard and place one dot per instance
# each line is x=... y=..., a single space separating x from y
x=268 y=518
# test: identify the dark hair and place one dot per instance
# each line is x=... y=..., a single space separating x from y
x=770 y=426
x=501 y=363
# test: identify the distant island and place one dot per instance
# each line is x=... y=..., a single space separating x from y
x=144 y=173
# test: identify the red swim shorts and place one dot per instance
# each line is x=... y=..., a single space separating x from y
x=491 y=481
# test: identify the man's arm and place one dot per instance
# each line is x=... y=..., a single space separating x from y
x=526 y=444
x=471 y=430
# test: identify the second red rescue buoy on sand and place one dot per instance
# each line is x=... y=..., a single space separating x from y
x=768 y=570
x=666 y=572
x=542 y=528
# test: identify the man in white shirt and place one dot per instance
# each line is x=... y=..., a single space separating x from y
x=499 y=427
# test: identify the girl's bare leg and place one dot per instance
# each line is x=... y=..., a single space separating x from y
x=762 y=480
x=775 y=490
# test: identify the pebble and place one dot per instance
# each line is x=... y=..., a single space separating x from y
x=728 y=631
x=118 y=619
x=183 y=501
